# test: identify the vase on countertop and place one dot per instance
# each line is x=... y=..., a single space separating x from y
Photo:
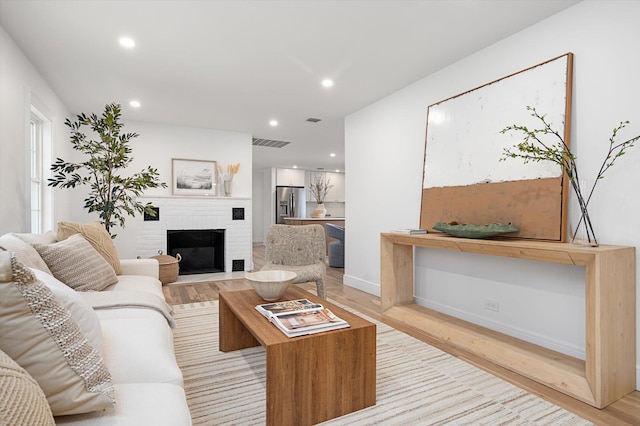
x=320 y=211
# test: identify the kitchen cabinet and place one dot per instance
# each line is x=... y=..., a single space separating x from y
x=290 y=177
x=336 y=192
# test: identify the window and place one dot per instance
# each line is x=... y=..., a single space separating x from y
x=39 y=152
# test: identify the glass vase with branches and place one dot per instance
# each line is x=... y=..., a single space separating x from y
x=547 y=144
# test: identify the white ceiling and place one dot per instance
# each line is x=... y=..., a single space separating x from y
x=235 y=65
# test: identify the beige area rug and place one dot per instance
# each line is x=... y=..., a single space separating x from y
x=417 y=384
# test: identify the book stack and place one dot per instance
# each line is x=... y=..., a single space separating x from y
x=409 y=231
x=301 y=317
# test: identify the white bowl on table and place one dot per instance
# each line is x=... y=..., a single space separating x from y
x=270 y=285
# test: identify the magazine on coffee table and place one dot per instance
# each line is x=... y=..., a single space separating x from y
x=301 y=317
x=288 y=306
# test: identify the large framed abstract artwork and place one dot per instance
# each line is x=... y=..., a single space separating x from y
x=465 y=181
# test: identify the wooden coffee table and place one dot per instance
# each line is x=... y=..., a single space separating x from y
x=311 y=378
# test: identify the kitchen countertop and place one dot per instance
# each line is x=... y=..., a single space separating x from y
x=315 y=218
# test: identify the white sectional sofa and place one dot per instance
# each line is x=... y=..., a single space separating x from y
x=133 y=334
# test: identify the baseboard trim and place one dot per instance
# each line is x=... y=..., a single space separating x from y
x=357 y=283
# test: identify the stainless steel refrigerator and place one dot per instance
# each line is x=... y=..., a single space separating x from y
x=291 y=201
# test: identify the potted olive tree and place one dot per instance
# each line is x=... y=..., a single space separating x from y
x=112 y=195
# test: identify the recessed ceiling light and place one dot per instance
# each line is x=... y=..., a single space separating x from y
x=135 y=104
x=337 y=170
x=295 y=167
x=127 y=42
x=327 y=82
x=273 y=123
x=332 y=154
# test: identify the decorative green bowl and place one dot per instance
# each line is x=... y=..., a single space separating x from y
x=475 y=231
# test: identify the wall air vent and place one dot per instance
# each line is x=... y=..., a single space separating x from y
x=269 y=143
x=313 y=120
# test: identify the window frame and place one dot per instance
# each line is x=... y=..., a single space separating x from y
x=40 y=204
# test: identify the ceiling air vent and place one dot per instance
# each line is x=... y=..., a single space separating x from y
x=313 y=120
x=269 y=143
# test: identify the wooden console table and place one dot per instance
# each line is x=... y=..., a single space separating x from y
x=608 y=372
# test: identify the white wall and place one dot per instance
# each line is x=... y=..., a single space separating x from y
x=385 y=151
x=156 y=146
x=263 y=202
x=20 y=85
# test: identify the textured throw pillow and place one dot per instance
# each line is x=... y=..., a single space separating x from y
x=22 y=402
x=77 y=264
x=39 y=334
x=97 y=236
x=23 y=251
x=80 y=310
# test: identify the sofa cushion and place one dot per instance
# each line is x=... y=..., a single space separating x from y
x=98 y=237
x=22 y=402
x=80 y=310
x=77 y=264
x=138 y=404
x=42 y=337
x=138 y=346
x=24 y=252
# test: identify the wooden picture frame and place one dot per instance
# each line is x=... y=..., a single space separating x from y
x=464 y=179
x=194 y=177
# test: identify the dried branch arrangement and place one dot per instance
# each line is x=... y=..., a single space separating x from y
x=320 y=188
x=535 y=147
x=232 y=169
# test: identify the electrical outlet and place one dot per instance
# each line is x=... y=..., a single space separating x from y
x=492 y=305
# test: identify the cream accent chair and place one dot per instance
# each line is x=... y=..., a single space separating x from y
x=300 y=249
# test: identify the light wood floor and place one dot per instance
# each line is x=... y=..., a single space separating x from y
x=625 y=412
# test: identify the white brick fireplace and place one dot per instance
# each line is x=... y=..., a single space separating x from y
x=188 y=213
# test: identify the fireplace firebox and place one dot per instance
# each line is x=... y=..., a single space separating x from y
x=202 y=250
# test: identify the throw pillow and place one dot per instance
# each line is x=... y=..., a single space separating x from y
x=22 y=402
x=97 y=236
x=48 y=237
x=80 y=310
x=77 y=264
x=23 y=251
x=39 y=334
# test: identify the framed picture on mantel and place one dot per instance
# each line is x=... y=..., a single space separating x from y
x=194 y=177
